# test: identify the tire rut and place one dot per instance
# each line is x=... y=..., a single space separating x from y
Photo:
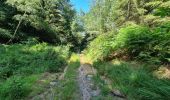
x=86 y=84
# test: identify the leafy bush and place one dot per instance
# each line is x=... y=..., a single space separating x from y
x=133 y=41
x=144 y=43
x=100 y=47
x=161 y=43
x=27 y=60
x=13 y=89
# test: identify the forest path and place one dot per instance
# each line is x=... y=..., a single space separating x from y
x=80 y=79
x=85 y=80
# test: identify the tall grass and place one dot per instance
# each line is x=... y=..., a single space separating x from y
x=137 y=83
x=69 y=89
x=20 y=63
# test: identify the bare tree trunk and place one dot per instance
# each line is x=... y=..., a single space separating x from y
x=15 y=32
x=128 y=12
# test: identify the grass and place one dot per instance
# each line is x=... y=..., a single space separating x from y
x=21 y=65
x=41 y=84
x=134 y=81
x=17 y=87
x=104 y=89
x=68 y=89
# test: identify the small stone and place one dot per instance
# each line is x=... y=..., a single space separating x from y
x=95 y=93
x=89 y=77
x=53 y=83
x=117 y=93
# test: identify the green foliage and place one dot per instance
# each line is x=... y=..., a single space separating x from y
x=134 y=82
x=14 y=88
x=26 y=60
x=145 y=43
x=30 y=59
x=6 y=13
x=133 y=39
x=107 y=15
x=163 y=9
x=99 y=19
x=142 y=34
x=5 y=34
x=68 y=89
x=100 y=47
x=50 y=20
x=134 y=42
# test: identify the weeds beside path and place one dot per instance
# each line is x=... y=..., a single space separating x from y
x=92 y=84
x=68 y=87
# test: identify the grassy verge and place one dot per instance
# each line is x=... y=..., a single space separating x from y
x=68 y=89
x=104 y=89
x=136 y=82
x=22 y=65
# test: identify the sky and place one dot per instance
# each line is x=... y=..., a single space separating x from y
x=81 y=4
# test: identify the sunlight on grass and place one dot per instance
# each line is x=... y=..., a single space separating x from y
x=85 y=59
x=135 y=83
x=162 y=73
x=116 y=62
x=74 y=58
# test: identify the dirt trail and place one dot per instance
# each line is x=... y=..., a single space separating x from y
x=88 y=88
x=85 y=79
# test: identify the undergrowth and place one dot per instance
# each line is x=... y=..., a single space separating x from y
x=69 y=89
x=133 y=42
x=136 y=82
x=20 y=63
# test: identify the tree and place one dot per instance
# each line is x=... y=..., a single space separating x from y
x=50 y=20
x=138 y=12
x=108 y=15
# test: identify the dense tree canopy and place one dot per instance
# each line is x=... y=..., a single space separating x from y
x=49 y=20
x=105 y=15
